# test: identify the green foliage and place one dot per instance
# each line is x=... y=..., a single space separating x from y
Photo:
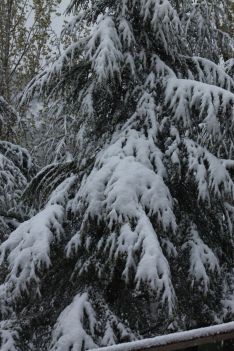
x=24 y=34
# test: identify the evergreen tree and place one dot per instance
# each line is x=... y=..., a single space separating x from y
x=132 y=236
x=16 y=169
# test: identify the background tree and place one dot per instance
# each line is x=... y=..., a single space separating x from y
x=229 y=27
x=24 y=34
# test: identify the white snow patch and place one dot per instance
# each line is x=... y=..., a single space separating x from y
x=69 y=333
x=28 y=248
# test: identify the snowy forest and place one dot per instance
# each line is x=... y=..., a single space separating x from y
x=116 y=170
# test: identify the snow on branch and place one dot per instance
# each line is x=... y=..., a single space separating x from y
x=161 y=69
x=69 y=332
x=152 y=268
x=206 y=71
x=210 y=173
x=72 y=56
x=8 y=336
x=115 y=330
x=164 y=21
x=229 y=213
x=229 y=66
x=104 y=49
x=125 y=186
x=61 y=193
x=202 y=260
x=100 y=48
x=183 y=95
x=12 y=182
x=128 y=43
x=78 y=328
x=27 y=249
x=19 y=156
x=126 y=190
x=228 y=299
x=126 y=33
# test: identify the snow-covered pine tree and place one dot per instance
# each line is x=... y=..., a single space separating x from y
x=134 y=237
x=16 y=168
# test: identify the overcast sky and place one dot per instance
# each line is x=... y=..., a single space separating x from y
x=57 y=21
